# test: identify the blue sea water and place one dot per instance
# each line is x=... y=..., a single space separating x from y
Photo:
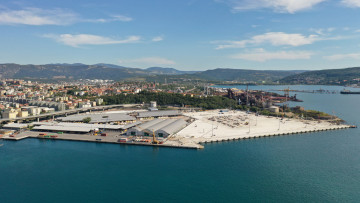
x=313 y=167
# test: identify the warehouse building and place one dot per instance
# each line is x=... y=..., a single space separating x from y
x=161 y=127
x=138 y=130
x=151 y=129
x=62 y=129
x=119 y=118
x=16 y=126
x=171 y=129
x=80 y=127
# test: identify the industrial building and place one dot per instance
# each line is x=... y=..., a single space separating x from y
x=171 y=129
x=79 y=127
x=119 y=118
x=138 y=130
x=161 y=127
x=157 y=114
x=16 y=126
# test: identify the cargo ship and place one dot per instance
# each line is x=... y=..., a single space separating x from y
x=348 y=92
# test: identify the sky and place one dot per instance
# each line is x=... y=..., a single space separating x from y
x=183 y=34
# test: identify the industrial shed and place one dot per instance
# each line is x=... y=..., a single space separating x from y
x=16 y=126
x=148 y=131
x=79 y=127
x=138 y=131
x=161 y=127
x=99 y=118
x=157 y=114
x=65 y=129
x=171 y=128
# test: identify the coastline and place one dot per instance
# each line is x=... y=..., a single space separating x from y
x=210 y=126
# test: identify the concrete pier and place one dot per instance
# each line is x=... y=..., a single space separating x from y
x=211 y=126
x=111 y=138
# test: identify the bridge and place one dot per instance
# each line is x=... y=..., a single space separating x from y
x=67 y=112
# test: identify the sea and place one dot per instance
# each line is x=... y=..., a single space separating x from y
x=311 y=167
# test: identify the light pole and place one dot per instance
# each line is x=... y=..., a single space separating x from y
x=212 y=129
x=279 y=124
x=256 y=115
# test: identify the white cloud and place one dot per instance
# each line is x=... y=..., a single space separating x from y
x=323 y=31
x=262 y=55
x=274 y=38
x=122 y=18
x=157 y=39
x=112 y=19
x=283 y=6
x=351 y=3
x=36 y=16
x=342 y=56
x=87 y=39
x=150 y=61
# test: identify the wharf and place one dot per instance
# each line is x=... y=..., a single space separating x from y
x=126 y=143
x=207 y=127
x=113 y=139
x=212 y=126
x=15 y=137
x=272 y=134
x=320 y=91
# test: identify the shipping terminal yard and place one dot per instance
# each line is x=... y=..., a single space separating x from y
x=164 y=128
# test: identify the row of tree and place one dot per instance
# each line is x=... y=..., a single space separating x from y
x=162 y=98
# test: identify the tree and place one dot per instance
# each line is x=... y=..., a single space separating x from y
x=86 y=120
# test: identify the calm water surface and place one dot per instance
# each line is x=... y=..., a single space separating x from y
x=314 y=167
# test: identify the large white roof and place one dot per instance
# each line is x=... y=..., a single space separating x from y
x=173 y=127
x=83 y=126
x=158 y=113
x=99 y=118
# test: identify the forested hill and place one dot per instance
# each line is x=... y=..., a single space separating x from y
x=114 y=72
x=245 y=75
x=344 y=76
x=68 y=71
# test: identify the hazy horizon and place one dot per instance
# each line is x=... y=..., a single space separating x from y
x=185 y=35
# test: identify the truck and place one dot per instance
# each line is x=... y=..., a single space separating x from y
x=122 y=140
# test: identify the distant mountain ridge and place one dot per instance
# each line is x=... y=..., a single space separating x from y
x=342 y=76
x=69 y=71
x=168 y=71
x=226 y=74
x=115 y=72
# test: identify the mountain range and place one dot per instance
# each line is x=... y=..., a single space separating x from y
x=343 y=76
x=115 y=72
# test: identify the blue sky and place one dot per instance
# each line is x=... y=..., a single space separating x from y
x=184 y=34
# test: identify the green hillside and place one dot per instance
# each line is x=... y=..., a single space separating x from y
x=344 y=76
x=244 y=75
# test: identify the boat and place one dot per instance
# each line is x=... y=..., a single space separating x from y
x=348 y=92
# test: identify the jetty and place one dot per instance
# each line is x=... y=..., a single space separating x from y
x=212 y=126
x=204 y=127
